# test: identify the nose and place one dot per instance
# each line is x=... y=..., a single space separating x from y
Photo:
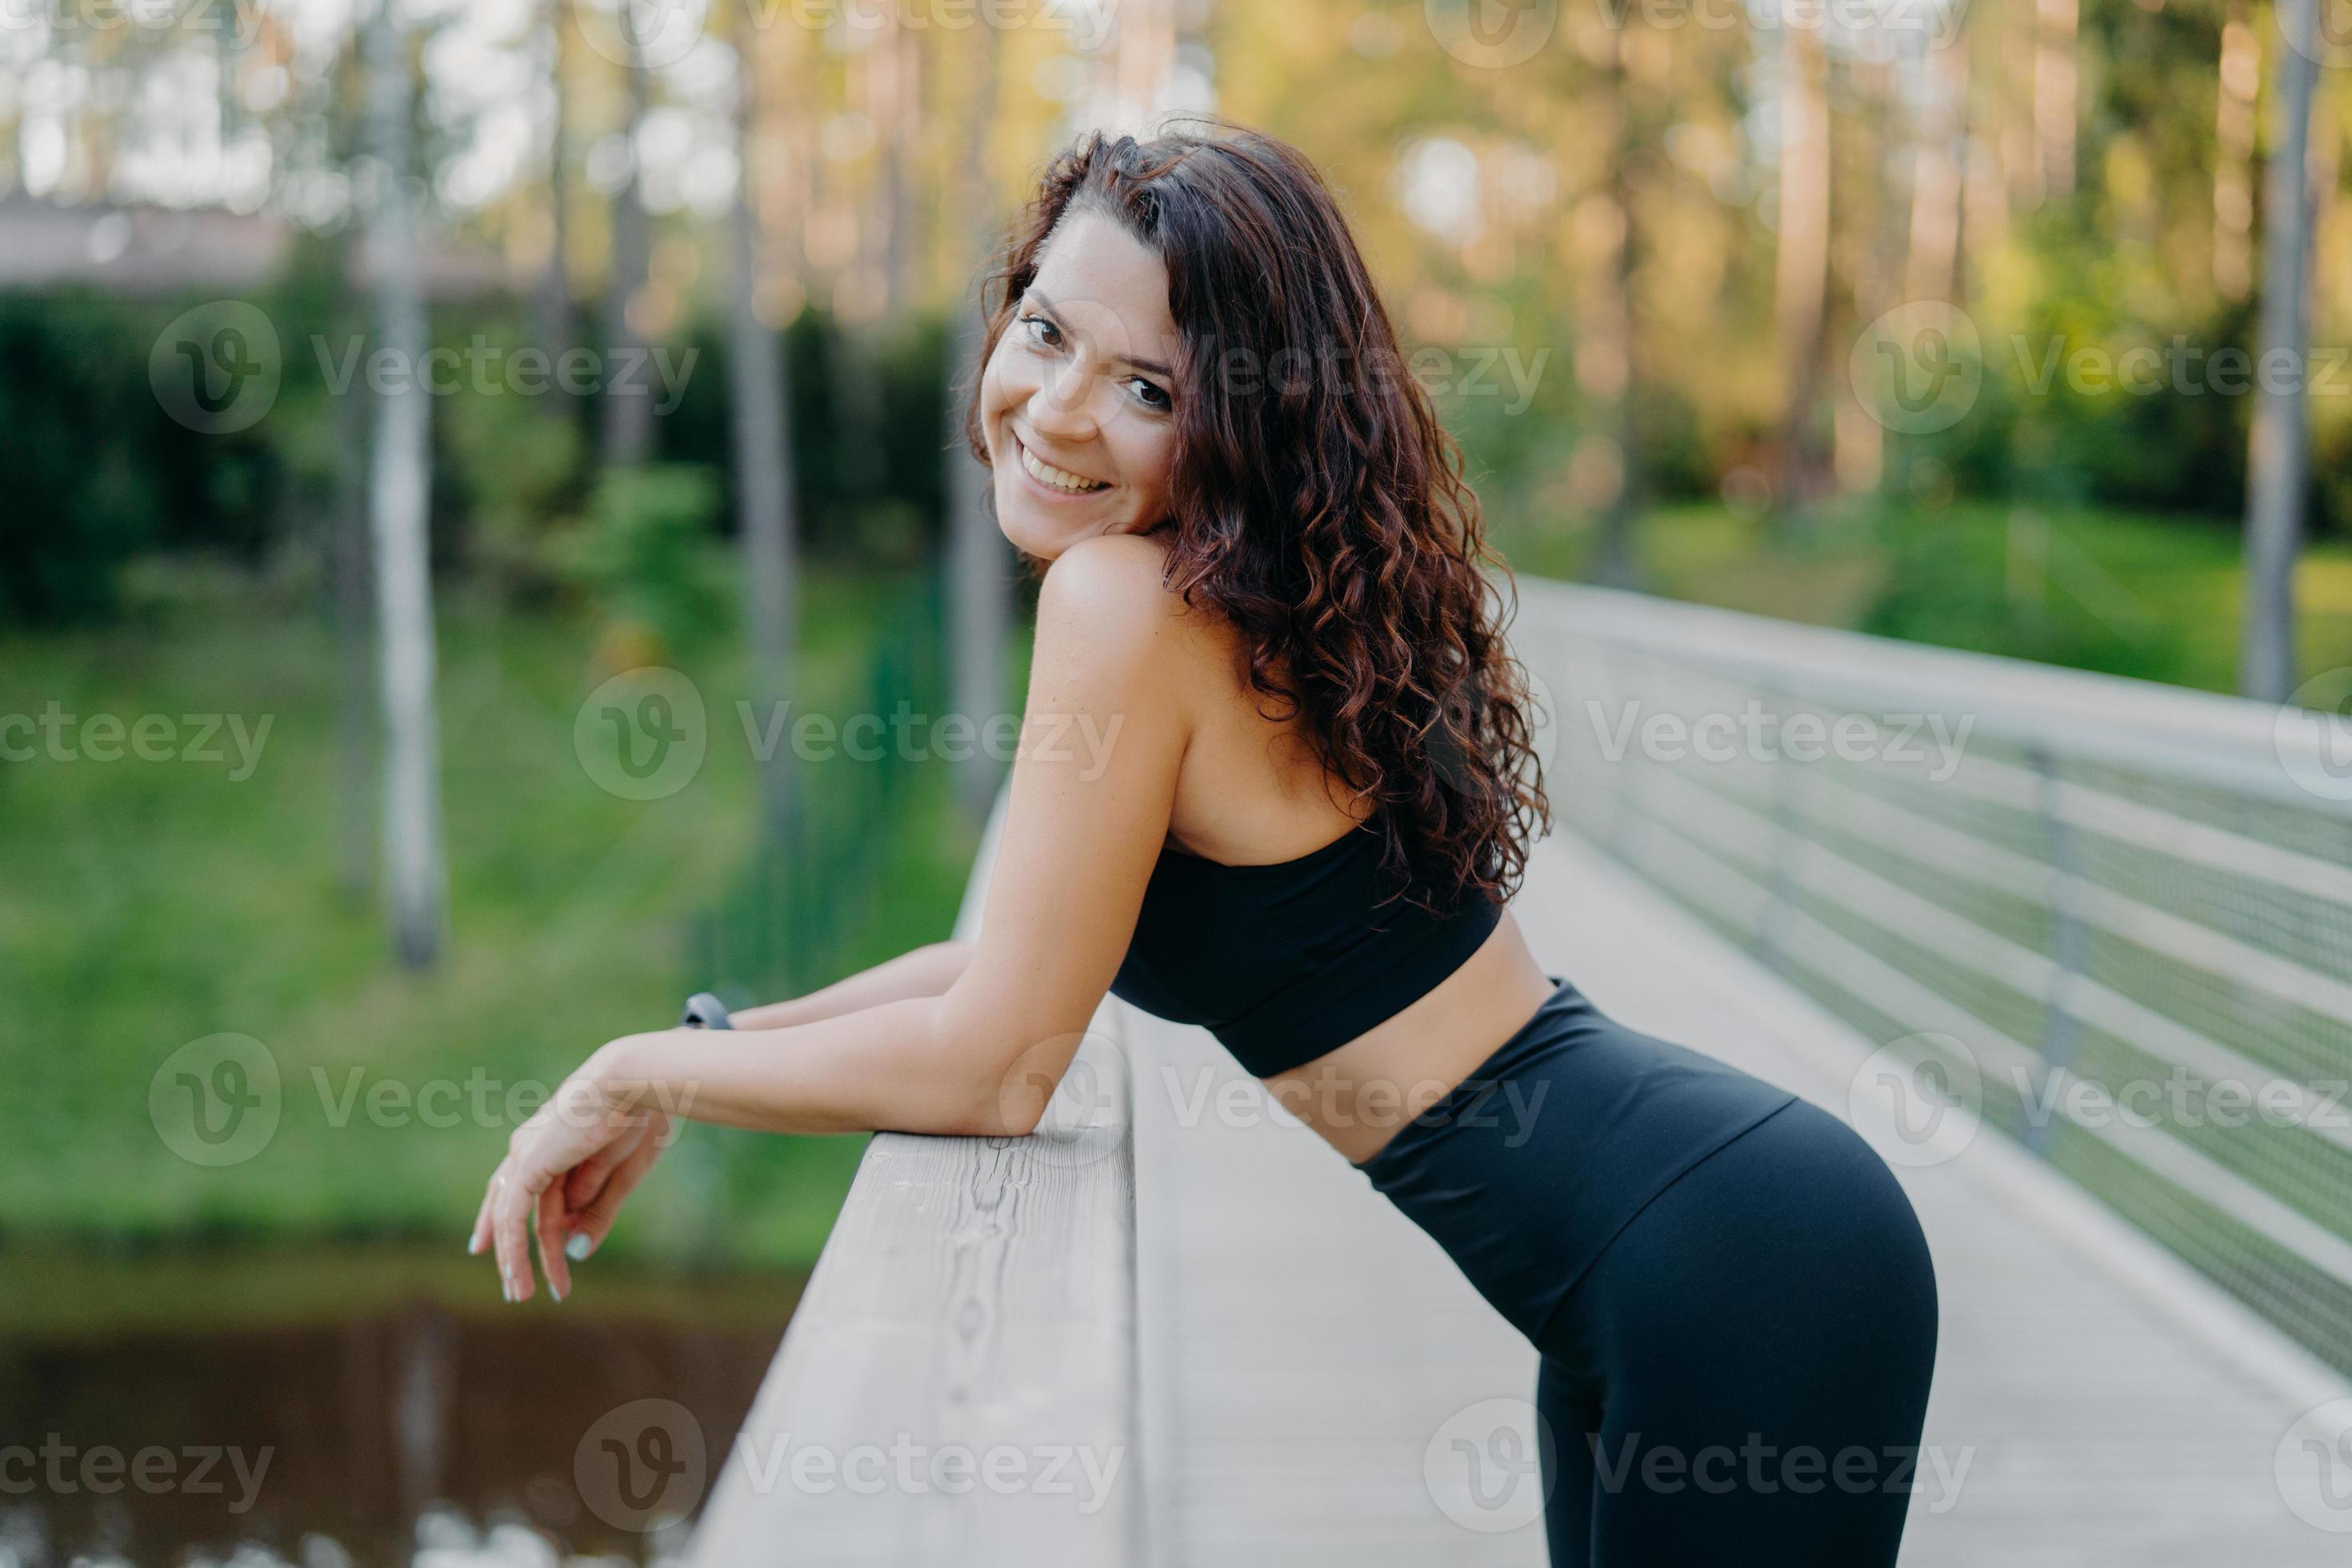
x=1064 y=406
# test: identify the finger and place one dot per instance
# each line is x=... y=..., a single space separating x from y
x=551 y=1240
x=480 y=1235
x=587 y=1178
x=591 y=1225
x=514 y=1207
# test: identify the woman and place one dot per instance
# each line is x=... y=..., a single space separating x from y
x=1200 y=428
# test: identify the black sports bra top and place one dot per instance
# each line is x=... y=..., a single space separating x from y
x=1283 y=963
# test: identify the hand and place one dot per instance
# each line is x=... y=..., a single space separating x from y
x=594 y=1189
x=580 y=1126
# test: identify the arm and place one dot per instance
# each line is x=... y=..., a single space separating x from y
x=1093 y=789
x=920 y=972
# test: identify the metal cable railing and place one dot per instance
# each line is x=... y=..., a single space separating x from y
x=2110 y=917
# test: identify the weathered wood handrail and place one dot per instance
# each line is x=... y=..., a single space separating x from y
x=958 y=1382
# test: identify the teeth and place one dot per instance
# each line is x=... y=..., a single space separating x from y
x=1060 y=478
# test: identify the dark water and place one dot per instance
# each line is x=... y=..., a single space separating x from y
x=332 y=1409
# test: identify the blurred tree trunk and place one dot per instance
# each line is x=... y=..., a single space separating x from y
x=1800 y=281
x=399 y=489
x=355 y=814
x=979 y=559
x=763 y=472
x=1931 y=268
x=628 y=409
x=2055 y=92
x=2239 y=78
x=1605 y=363
x=2278 y=452
x=555 y=302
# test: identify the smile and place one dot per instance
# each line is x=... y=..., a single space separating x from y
x=1059 y=480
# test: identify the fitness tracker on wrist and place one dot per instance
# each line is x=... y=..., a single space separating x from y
x=704 y=1011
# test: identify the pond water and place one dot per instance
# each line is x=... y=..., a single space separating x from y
x=363 y=1409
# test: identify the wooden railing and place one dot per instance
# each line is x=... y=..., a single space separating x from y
x=959 y=1381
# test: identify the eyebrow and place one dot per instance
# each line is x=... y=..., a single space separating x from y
x=1045 y=299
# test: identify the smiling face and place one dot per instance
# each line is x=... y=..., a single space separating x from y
x=1077 y=401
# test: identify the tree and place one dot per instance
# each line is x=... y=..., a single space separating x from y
x=628 y=412
x=2278 y=454
x=399 y=485
x=1800 y=275
x=763 y=473
x=979 y=594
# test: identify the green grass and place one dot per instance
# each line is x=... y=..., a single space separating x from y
x=146 y=904
x=2154 y=598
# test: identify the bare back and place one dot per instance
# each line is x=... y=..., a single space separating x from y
x=1250 y=791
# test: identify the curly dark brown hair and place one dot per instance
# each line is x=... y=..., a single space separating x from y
x=1315 y=499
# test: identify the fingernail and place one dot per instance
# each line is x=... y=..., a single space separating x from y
x=554 y=1289
x=473 y=1245
x=581 y=1245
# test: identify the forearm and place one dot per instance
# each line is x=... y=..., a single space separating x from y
x=895 y=1066
x=920 y=972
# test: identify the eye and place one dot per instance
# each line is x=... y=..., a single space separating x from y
x=1152 y=391
x=1033 y=320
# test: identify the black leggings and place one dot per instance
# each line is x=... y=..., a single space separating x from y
x=1733 y=1299
x=1742 y=1375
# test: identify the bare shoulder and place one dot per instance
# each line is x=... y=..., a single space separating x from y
x=1107 y=598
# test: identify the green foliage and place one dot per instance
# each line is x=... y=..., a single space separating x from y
x=152 y=903
x=642 y=550
x=96 y=471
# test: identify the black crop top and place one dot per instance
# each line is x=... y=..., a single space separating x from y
x=1285 y=962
